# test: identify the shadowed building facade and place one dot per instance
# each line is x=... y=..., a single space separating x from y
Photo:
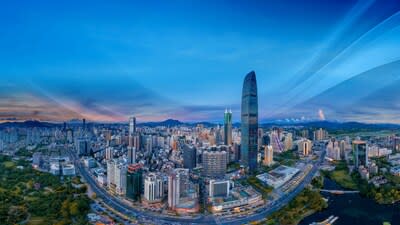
x=249 y=123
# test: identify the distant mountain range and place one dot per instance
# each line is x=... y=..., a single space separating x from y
x=330 y=125
x=335 y=125
x=28 y=124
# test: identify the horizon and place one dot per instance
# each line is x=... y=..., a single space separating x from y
x=187 y=61
x=278 y=122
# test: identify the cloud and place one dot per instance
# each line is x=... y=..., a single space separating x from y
x=321 y=114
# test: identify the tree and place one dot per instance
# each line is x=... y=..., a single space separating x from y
x=74 y=208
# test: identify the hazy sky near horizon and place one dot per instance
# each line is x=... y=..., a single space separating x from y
x=106 y=60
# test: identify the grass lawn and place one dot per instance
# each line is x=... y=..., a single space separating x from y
x=9 y=164
x=35 y=221
x=343 y=178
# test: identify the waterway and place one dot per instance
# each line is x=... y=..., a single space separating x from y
x=353 y=209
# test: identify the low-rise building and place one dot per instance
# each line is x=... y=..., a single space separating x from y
x=278 y=176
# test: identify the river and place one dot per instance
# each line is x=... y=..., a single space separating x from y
x=352 y=209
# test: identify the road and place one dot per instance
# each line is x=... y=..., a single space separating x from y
x=284 y=199
x=128 y=210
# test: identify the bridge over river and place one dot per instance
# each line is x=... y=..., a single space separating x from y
x=339 y=192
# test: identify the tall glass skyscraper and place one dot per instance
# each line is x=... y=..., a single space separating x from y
x=360 y=153
x=249 y=138
x=228 y=127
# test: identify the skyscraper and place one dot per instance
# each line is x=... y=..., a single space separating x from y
x=84 y=124
x=178 y=184
x=360 y=153
x=214 y=163
x=132 y=126
x=131 y=155
x=134 y=181
x=228 y=127
x=189 y=157
x=249 y=139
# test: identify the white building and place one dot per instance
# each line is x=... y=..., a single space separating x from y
x=333 y=150
x=120 y=171
x=89 y=162
x=110 y=172
x=279 y=176
x=268 y=155
x=305 y=147
x=288 y=142
x=102 y=179
x=375 y=151
x=109 y=153
x=176 y=184
x=153 y=188
x=68 y=169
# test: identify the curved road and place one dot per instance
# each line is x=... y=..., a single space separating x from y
x=123 y=208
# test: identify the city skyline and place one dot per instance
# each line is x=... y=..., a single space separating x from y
x=63 y=61
x=224 y=112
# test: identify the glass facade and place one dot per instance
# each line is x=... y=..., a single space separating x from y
x=134 y=182
x=249 y=123
x=228 y=128
x=360 y=153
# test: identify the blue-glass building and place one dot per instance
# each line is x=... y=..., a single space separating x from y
x=228 y=127
x=360 y=153
x=249 y=123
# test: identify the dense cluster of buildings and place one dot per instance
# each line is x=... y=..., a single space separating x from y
x=183 y=168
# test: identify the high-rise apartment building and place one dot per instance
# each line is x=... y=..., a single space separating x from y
x=305 y=147
x=320 y=134
x=153 y=188
x=268 y=155
x=214 y=163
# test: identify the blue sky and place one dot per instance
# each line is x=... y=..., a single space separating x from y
x=106 y=60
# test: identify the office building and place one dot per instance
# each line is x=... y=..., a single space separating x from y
x=132 y=126
x=249 y=123
x=134 y=182
x=228 y=127
x=260 y=134
x=342 y=146
x=131 y=155
x=396 y=144
x=82 y=147
x=84 y=124
x=219 y=188
x=189 y=157
x=360 y=153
